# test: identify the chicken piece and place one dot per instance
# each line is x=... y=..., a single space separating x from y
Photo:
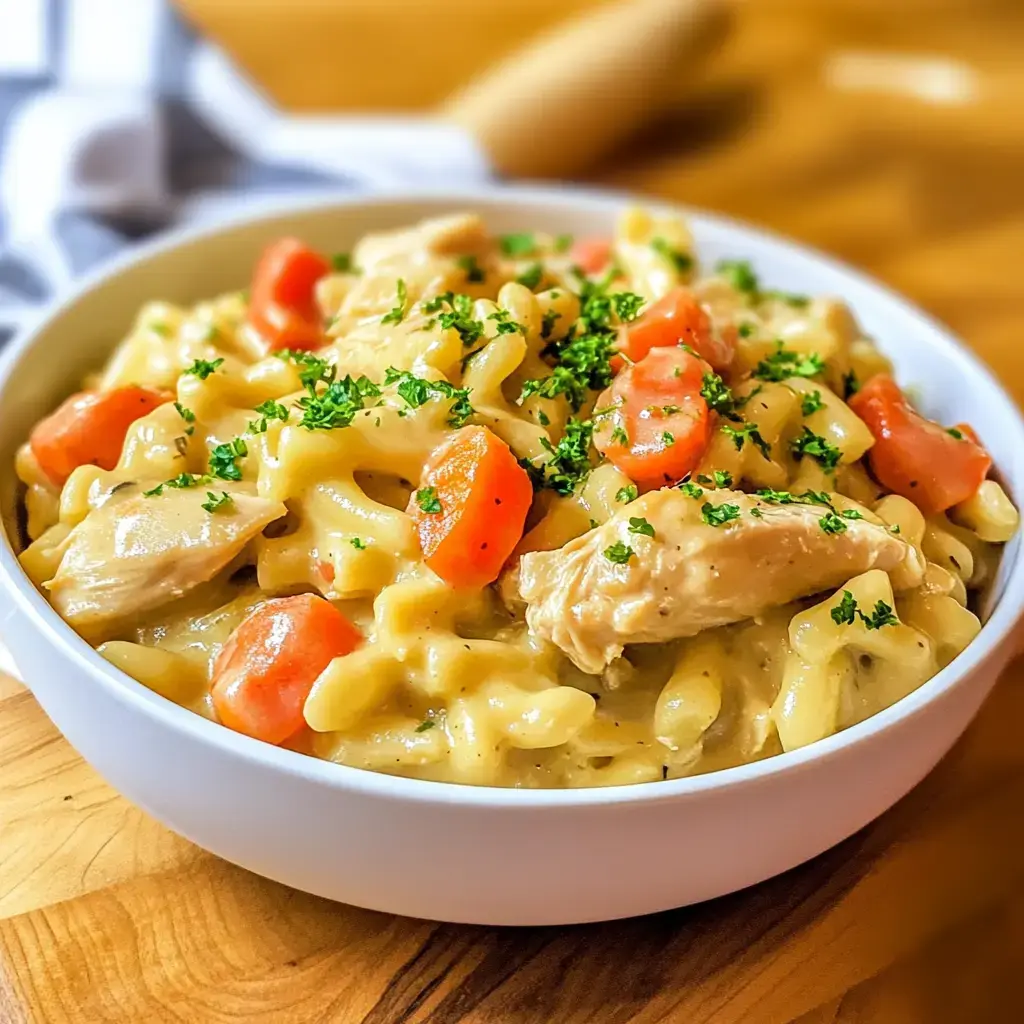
x=135 y=553
x=691 y=576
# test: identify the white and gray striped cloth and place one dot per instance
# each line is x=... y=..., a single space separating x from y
x=116 y=121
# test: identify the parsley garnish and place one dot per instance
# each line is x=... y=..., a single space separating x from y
x=474 y=272
x=188 y=416
x=531 y=276
x=180 y=481
x=202 y=368
x=626 y=494
x=816 y=498
x=719 y=515
x=723 y=478
x=426 y=724
x=789 y=298
x=547 y=324
x=563 y=243
x=223 y=459
x=160 y=328
x=358 y=543
x=717 y=394
x=342 y=262
x=505 y=323
x=519 y=243
x=428 y=501
x=627 y=305
x=459 y=316
x=850 y=385
x=746 y=330
x=619 y=436
x=680 y=260
x=416 y=391
x=618 y=553
x=771 y=497
x=831 y=523
x=337 y=405
x=216 y=502
x=740 y=274
x=637 y=524
x=881 y=615
x=569 y=463
x=543 y=419
x=845 y=613
x=268 y=410
x=397 y=314
x=691 y=490
x=747 y=430
x=811 y=403
x=953 y=432
x=851 y=513
x=757 y=513
x=783 y=364
x=668 y=438
x=312 y=369
x=826 y=454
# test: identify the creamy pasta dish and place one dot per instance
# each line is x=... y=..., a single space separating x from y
x=514 y=510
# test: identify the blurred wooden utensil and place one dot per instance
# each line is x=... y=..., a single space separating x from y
x=561 y=103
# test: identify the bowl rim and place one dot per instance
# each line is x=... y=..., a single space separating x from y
x=189 y=725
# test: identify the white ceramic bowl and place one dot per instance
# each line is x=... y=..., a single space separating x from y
x=459 y=853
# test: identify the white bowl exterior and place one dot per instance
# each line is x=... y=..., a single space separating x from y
x=483 y=855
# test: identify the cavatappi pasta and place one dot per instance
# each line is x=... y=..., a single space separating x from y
x=512 y=510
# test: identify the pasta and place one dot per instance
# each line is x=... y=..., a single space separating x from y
x=512 y=511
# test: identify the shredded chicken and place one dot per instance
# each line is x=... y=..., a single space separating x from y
x=136 y=553
x=691 y=576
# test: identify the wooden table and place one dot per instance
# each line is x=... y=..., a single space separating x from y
x=106 y=916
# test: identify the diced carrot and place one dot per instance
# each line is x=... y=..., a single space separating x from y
x=677 y=318
x=326 y=570
x=591 y=254
x=914 y=456
x=90 y=428
x=657 y=426
x=264 y=673
x=282 y=306
x=484 y=496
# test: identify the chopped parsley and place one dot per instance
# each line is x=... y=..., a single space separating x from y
x=784 y=363
x=845 y=613
x=427 y=723
x=851 y=513
x=217 y=502
x=619 y=436
x=770 y=497
x=428 y=501
x=624 y=495
x=757 y=513
x=740 y=274
x=569 y=461
x=547 y=324
x=563 y=243
x=268 y=410
x=832 y=523
x=531 y=276
x=691 y=490
x=744 y=432
x=180 y=481
x=188 y=416
x=789 y=298
x=668 y=438
x=627 y=305
x=543 y=419
x=637 y=524
x=459 y=316
x=816 y=498
x=519 y=243
x=312 y=369
x=850 y=385
x=826 y=454
x=717 y=394
x=416 y=391
x=505 y=323
x=719 y=515
x=746 y=330
x=337 y=405
x=680 y=260
x=618 y=553
x=202 y=368
x=224 y=459
x=342 y=262
x=160 y=328
x=811 y=403
x=472 y=269
x=953 y=432
x=722 y=477
x=397 y=314
x=358 y=543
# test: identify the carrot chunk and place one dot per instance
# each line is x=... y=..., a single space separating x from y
x=264 y=673
x=282 y=306
x=90 y=428
x=591 y=254
x=915 y=457
x=657 y=425
x=471 y=507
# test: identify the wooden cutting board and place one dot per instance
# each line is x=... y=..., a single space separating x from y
x=919 y=919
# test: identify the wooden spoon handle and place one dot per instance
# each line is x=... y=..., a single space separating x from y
x=555 y=107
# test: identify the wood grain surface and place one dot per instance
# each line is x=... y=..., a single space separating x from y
x=106 y=916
